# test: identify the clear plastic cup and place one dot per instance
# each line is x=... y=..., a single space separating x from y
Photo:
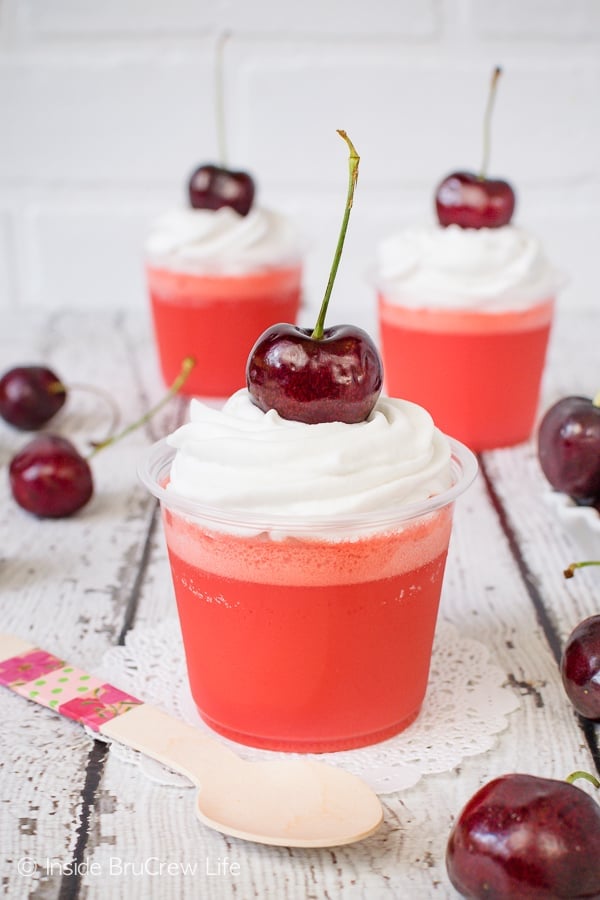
x=307 y=636
x=478 y=373
x=216 y=319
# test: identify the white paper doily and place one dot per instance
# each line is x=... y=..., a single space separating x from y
x=466 y=706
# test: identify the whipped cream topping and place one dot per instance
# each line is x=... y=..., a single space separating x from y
x=241 y=459
x=222 y=241
x=490 y=269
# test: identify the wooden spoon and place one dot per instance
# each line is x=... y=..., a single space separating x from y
x=292 y=802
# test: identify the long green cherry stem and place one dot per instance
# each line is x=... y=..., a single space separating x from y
x=186 y=367
x=487 y=119
x=220 y=99
x=570 y=570
x=353 y=162
x=574 y=775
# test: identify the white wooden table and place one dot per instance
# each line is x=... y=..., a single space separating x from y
x=68 y=807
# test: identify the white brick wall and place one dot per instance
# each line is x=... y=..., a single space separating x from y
x=106 y=107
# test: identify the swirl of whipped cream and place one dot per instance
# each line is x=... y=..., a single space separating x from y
x=222 y=241
x=241 y=459
x=487 y=269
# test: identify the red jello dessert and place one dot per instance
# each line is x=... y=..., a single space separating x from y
x=307 y=563
x=216 y=280
x=465 y=317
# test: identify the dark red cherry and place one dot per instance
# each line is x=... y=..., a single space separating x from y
x=30 y=396
x=569 y=448
x=471 y=201
x=580 y=668
x=521 y=836
x=319 y=375
x=211 y=187
x=336 y=378
x=50 y=478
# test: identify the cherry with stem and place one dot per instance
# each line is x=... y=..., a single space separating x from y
x=322 y=374
x=523 y=835
x=30 y=396
x=51 y=479
x=213 y=186
x=473 y=200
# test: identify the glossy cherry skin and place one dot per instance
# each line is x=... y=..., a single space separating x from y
x=580 y=668
x=336 y=378
x=529 y=838
x=569 y=448
x=211 y=187
x=470 y=201
x=30 y=396
x=50 y=478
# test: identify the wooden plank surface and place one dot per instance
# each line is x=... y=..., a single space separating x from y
x=75 y=586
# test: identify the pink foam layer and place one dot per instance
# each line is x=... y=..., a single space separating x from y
x=465 y=320
x=304 y=561
x=169 y=285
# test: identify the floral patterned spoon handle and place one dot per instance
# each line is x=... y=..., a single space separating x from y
x=286 y=802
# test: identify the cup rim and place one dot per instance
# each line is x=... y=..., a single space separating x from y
x=154 y=465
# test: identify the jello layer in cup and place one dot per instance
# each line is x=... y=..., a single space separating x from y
x=311 y=641
x=216 y=319
x=478 y=373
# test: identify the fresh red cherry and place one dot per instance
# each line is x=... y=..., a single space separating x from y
x=336 y=378
x=323 y=375
x=211 y=187
x=580 y=668
x=569 y=448
x=30 y=396
x=521 y=836
x=50 y=478
x=473 y=200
